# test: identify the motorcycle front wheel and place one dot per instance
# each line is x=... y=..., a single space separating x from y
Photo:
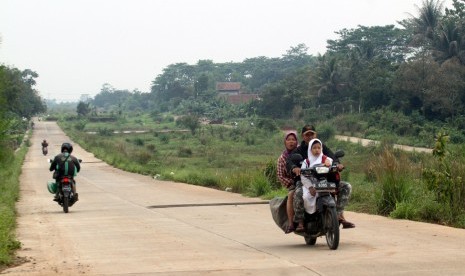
x=331 y=228
x=310 y=240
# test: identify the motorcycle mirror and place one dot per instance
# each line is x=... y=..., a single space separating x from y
x=339 y=153
x=296 y=158
x=80 y=160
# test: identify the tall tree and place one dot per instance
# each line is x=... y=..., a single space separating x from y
x=83 y=109
x=429 y=16
x=387 y=42
x=328 y=77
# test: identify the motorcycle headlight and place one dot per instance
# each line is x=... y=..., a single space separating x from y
x=322 y=170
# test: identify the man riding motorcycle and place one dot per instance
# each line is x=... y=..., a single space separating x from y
x=44 y=147
x=65 y=164
x=44 y=143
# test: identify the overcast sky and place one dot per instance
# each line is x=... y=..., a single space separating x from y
x=77 y=46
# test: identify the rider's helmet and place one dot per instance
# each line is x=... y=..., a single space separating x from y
x=67 y=146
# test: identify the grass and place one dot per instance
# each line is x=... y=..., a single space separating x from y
x=9 y=194
x=216 y=150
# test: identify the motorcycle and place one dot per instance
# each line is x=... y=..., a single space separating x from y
x=324 y=222
x=45 y=150
x=66 y=197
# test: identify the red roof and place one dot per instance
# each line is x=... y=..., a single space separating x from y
x=228 y=86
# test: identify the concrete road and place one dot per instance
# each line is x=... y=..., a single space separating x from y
x=368 y=142
x=128 y=224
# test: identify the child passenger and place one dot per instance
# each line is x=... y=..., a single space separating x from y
x=315 y=156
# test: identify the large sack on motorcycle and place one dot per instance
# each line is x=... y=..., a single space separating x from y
x=52 y=187
x=278 y=211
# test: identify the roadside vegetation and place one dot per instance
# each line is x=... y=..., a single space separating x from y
x=395 y=85
x=19 y=101
x=242 y=158
x=9 y=193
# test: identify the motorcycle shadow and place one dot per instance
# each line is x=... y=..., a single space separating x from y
x=301 y=246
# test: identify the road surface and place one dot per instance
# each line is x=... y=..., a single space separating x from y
x=367 y=142
x=129 y=224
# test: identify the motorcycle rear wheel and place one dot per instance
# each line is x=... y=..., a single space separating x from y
x=65 y=204
x=331 y=228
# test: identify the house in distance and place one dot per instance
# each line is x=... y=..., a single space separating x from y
x=232 y=93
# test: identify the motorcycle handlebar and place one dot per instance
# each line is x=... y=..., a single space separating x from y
x=309 y=171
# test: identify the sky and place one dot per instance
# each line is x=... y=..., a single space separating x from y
x=78 y=46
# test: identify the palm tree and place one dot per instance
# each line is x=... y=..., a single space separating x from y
x=429 y=17
x=328 y=75
x=449 y=42
x=441 y=36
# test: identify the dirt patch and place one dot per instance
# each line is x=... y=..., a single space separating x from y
x=17 y=261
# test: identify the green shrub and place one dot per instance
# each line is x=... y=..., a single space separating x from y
x=138 y=142
x=250 y=140
x=155 y=115
x=460 y=221
x=184 y=152
x=164 y=138
x=267 y=124
x=204 y=140
x=394 y=181
x=104 y=131
x=212 y=156
x=326 y=132
x=80 y=125
x=201 y=179
x=349 y=123
x=169 y=119
x=151 y=148
x=445 y=177
x=189 y=121
x=191 y=177
x=238 y=182
x=405 y=210
x=258 y=186
x=270 y=174
x=142 y=157
x=431 y=211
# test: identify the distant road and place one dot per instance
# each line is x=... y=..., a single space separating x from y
x=367 y=142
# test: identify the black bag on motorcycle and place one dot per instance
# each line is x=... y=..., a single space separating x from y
x=278 y=211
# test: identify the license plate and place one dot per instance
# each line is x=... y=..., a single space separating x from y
x=323 y=184
x=67 y=188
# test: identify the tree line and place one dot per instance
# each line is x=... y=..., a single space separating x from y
x=19 y=101
x=417 y=69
